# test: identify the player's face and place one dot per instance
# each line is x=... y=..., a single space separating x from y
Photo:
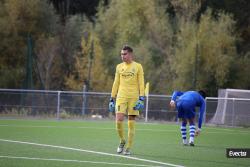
x=126 y=56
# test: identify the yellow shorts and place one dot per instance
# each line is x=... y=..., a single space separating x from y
x=126 y=105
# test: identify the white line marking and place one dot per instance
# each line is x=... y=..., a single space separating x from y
x=228 y=131
x=70 y=160
x=78 y=127
x=64 y=127
x=94 y=152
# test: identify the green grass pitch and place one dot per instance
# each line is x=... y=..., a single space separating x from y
x=93 y=143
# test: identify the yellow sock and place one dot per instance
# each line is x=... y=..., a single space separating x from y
x=131 y=132
x=119 y=128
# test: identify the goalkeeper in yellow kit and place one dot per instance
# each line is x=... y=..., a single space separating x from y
x=127 y=97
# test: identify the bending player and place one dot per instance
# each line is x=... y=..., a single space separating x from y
x=185 y=105
x=128 y=89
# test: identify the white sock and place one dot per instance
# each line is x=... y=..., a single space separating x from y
x=184 y=133
x=191 y=133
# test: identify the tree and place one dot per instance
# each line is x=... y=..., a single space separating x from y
x=239 y=9
x=47 y=50
x=56 y=54
x=145 y=27
x=88 y=66
x=76 y=7
x=18 y=20
x=205 y=52
x=239 y=76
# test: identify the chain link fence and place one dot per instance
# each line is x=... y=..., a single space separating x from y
x=16 y=103
x=72 y=104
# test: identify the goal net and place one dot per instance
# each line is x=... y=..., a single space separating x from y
x=232 y=109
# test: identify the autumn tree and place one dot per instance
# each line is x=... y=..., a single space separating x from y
x=89 y=70
x=20 y=19
x=205 y=51
x=145 y=26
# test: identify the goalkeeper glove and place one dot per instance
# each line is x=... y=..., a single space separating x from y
x=111 y=105
x=139 y=105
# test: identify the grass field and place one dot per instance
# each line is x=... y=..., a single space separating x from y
x=47 y=143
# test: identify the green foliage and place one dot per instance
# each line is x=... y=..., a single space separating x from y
x=205 y=52
x=48 y=61
x=239 y=75
x=184 y=53
x=240 y=11
x=17 y=20
x=69 y=47
x=145 y=26
x=64 y=115
x=218 y=50
x=88 y=66
x=184 y=58
x=189 y=47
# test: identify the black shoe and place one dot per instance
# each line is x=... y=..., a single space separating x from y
x=191 y=144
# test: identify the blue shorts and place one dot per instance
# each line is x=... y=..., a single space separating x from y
x=185 y=109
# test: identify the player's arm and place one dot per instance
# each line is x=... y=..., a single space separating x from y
x=116 y=83
x=114 y=91
x=176 y=94
x=202 y=110
x=141 y=81
x=139 y=105
x=174 y=97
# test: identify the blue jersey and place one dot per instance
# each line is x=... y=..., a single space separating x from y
x=190 y=99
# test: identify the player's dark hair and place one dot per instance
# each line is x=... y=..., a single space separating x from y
x=128 y=48
x=202 y=93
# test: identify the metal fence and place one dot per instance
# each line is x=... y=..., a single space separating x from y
x=81 y=105
x=73 y=104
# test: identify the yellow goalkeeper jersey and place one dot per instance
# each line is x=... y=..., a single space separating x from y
x=129 y=81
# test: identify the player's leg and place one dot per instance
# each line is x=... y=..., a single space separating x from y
x=181 y=116
x=119 y=126
x=131 y=124
x=131 y=133
x=191 y=131
x=184 y=131
x=121 y=107
x=189 y=114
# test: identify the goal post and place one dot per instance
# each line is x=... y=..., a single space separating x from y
x=231 y=107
